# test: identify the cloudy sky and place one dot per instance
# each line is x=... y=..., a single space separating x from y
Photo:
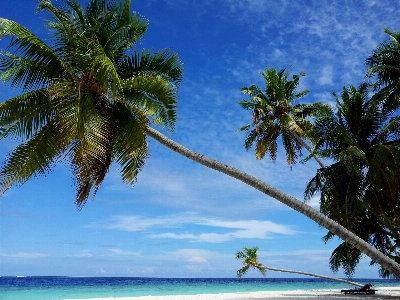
x=182 y=219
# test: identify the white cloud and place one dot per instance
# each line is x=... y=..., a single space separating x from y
x=245 y=229
x=326 y=77
x=123 y=252
x=85 y=253
x=196 y=256
x=23 y=255
x=314 y=201
x=138 y=223
x=203 y=237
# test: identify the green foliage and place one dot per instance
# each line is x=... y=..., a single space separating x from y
x=275 y=115
x=250 y=261
x=88 y=96
x=360 y=190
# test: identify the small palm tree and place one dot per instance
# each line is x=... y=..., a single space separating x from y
x=250 y=261
x=87 y=97
x=275 y=115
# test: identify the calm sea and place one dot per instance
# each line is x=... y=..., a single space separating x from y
x=55 y=288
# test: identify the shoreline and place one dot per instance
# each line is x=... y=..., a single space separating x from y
x=331 y=294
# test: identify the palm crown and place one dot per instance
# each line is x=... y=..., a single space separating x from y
x=87 y=96
x=250 y=261
x=275 y=115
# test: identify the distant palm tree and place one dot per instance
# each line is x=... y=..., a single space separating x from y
x=360 y=190
x=250 y=261
x=89 y=98
x=275 y=114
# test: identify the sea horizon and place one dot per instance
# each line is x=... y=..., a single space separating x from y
x=71 y=287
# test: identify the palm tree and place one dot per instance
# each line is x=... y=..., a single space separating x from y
x=88 y=101
x=250 y=261
x=275 y=115
x=87 y=98
x=360 y=190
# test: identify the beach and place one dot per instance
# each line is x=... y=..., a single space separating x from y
x=382 y=293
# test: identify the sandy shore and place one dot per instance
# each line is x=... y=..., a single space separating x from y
x=382 y=293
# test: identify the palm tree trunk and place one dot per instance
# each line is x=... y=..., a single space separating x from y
x=313 y=275
x=305 y=145
x=387 y=263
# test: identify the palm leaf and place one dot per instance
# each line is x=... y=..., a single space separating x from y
x=32 y=158
x=154 y=96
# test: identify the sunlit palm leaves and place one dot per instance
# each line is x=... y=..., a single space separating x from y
x=88 y=95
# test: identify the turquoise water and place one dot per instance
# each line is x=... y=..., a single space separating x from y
x=57 y=288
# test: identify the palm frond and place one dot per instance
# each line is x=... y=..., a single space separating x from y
x=25 y=115
x=130 y=147
x=30 y=159
x=164 y=63
x=26 y=73
x=154 y=96
x=24 y=43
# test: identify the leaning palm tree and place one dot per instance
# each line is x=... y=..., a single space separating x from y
x=275 y=114
x=360 y=190
x=250 y=261
x=89 y=99
x=324 y=221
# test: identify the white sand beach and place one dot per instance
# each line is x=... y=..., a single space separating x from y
x=382 y=293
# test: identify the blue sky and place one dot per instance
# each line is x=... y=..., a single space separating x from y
x=182 y=219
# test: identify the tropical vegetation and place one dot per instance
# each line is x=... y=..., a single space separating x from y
x=89 y=99
x=360 y=190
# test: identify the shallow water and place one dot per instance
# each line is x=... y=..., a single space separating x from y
x=56 y=288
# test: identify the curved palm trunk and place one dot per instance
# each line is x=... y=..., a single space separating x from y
x=290 y=201
x=313 y=275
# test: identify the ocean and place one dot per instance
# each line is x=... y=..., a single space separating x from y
x=57 y=288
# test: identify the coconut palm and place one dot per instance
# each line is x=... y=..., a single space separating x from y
x=250 y=261
x=89 y=98
x=360 y=190
x=275 y=114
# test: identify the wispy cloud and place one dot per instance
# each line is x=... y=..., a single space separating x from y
x=23 y=255
x=84 y=254
x=244 y=229
x=326 y=76
x=123 y=252
x=196 y=260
